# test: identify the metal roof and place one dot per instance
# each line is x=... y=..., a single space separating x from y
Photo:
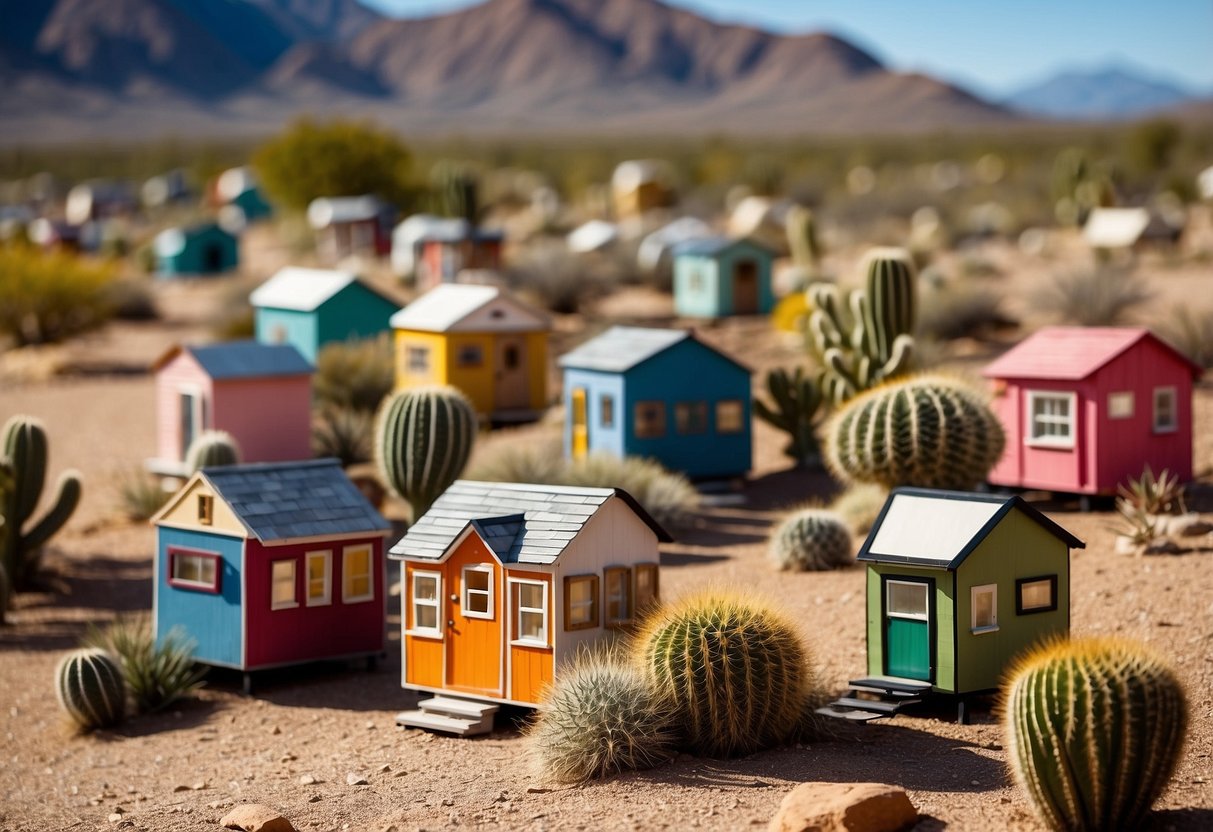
x=926 y=527
x=291 y=500
x=1071 y=353
x=621 y=348
x=302 y=290
x=712 y=246
x=446 y=306
x=243 y=359
x=326 y=210
x=521 y=523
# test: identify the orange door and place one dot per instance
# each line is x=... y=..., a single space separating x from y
x=473 y=620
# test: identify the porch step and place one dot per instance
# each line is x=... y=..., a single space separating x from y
x=466 y=708
x=847 y=713
x=462 y=717
x=876 y=706
x=891 y=684
x=875 y=697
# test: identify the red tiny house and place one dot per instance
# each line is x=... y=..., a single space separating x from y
x=1085 y=409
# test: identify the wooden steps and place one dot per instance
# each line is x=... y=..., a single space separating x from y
x=462 y=717
x=875 y=697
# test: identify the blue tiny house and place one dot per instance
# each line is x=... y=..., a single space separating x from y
x=716 y=277
x=659 y=393
x=196 y=250
x=308 y=308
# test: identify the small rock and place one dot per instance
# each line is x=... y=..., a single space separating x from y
x=276 y=730
x=198 y=786
x=307 y=780
x=1162 y=546
x=314 y=799
x=115 y=817
x=353 y=779
x=399 y=773
x=385 y=768
x=181 y=787
x=844 y=807
x=254 y=817
x=448 y=801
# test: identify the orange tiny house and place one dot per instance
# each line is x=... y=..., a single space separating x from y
x=502 y=582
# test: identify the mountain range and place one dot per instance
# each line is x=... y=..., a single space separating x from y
x=1110 y=92
x=140 y=68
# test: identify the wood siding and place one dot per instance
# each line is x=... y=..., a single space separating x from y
x=473 y=645
x=270 y=418
x=180 y=372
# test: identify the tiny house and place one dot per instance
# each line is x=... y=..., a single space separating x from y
x=502 y=583
x=259 y=393
x=716 y=277
x=454 y=246
x=1086 y=408
x=308 y=308
x=269 y=565
x=641 y=185
x=195 y=250
x=351 y=226
x=659 y=393
x=481 y=340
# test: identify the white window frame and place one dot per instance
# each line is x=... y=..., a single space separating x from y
x=1163 y=392
x=327 y=597
x=992 y=589
x=294 y=602
x=519 y=609
x=1071 y=420
x=487 y=569
x=435 y=602
x=346 y=551
x=925 y=588
x=1121 y=404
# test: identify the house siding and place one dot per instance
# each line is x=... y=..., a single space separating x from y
x=477 y=382
x=181 y=371
x=530 y=668
x=714 y=296
x=597 y=385
x=942 y=610
x=212 y=620
x=270 y=418
x=423 y=656
x=354 y=313
x=288 y=326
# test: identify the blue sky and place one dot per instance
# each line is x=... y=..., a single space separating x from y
x=990 y=45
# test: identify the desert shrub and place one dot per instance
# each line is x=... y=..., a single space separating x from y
x=343 y=433
x=235 y=320
x=541 y=463
x=157 y=673
x=811 y=540
x=860 y=505
x=47 y=297
x=1191 y=332
x=355 y=375
x=557 y=278
x=1103 y=296
x=961 y=310
x=131 y=300
x=140 y=495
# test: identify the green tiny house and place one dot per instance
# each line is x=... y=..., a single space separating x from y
x=958 y=584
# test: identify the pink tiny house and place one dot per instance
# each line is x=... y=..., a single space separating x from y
x=259 y=393
x=1086 y=408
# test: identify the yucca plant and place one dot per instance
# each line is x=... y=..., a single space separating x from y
x=343 y=433
x=1163 y=494
x=140 y=495
x=157 y=673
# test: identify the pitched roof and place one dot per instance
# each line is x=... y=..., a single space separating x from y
x=304 y=290
x=445 y=307
x=711 y=246
x=521 y=523
x=621 y=348
x=242 y=359
x=927 y=527
x=1072 y=352
x=326 y=210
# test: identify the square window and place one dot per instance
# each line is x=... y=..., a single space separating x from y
x=1166 y=412
x=907 y=599
x=478 y=591
x=607 y=408
x=650 y=420
x=531 y=606
x=1051 y=419
x=1036 y=594
x=618 y=596
x=193 y=570
x=691 y=417
x=580 y=602
x=418 y=360
x=470 y=355
x=206 y=509
x=426 y=592
x=730 y=416
x=319 y=578
x=985 y=608
x=1120 y=405
x=647 y=589
x=357 y=582
x=282 y=585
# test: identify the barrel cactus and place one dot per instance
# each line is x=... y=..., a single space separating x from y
x=423 y=438
x=600 y=717
x=930 y=431
x=811 y=540
x=211 y=449
x=91 y=689
x=734 y=671
x=1095 y=729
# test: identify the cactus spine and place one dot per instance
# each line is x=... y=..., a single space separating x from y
x=734 y=671
x=423 y=438
x=797 y=399
x=1094 y=730
x=811 y=540
x=211 y=449
x=24 y=455
x=90 y=688
x=929 y=431
x=801 y=228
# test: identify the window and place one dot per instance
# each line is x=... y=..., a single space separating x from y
x=1036 y=595
x=357 y=583
x=618 y=596
x=1051 y=419
x=1166 y=416
x=189 y=402
x=426 y=592
x=206 y=509
x=193 y=570
x=470 y=355
x=696 y=282
x=478 y=591
x=691 y=417
x=647 y=590
x=730 y=416
x=418 y=359
x=1120 y=405
x=511 y=357
x=531 y=612
x=607 y=408
x=319 y=578
x=650 y=420
x=282 y=585
x=985 y=608
x=580 y=602
x=907 y=599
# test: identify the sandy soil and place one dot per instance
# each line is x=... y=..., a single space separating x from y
x=182 y=769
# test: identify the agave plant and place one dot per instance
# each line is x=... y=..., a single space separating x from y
x=157 y=673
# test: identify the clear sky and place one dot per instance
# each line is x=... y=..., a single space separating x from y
x=992 y=46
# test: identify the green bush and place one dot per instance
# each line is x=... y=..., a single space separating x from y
x=48 y=297
x=355 y=375
x=157 y=673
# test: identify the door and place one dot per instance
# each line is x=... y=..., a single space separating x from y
x=510 y=389
x=745 y=288
x=212 y=258
x=581 y=424
x=473 y=615
x=907 y=611
x=190 y=407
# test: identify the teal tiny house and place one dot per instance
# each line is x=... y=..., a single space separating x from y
x=198 y=249
x=717 y=277
x=308 y=308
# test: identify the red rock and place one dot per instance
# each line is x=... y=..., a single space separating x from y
x=844 y=807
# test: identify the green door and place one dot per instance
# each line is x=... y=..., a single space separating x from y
x=908 y=629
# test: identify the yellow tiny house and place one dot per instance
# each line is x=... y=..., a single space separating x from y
x=481 y=340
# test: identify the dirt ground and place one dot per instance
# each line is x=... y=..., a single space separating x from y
x=182 y=769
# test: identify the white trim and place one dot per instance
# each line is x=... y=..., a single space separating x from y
x=327 y=597
x=1174 y=425
x=294 y=602
x=974 y=591
x=1070 y=420
x=1121 y=404
x=436 y=603
x=198 y=394
x=346 y=551
x=465 y=608
x=517 y=609
x=920 y=585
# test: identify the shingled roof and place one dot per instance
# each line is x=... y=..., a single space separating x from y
x=621 y=348
x=521 y=523
x=243 y=359
x=289 y=500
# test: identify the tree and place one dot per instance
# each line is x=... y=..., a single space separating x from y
x=338 y=158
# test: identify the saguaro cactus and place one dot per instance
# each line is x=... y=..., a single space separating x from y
x=423 y=438
x=1094 y=731
x=210 y=449
x=797 y=400
x=801 y=227
x=91 y=689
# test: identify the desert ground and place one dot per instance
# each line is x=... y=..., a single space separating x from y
x=292 y=744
